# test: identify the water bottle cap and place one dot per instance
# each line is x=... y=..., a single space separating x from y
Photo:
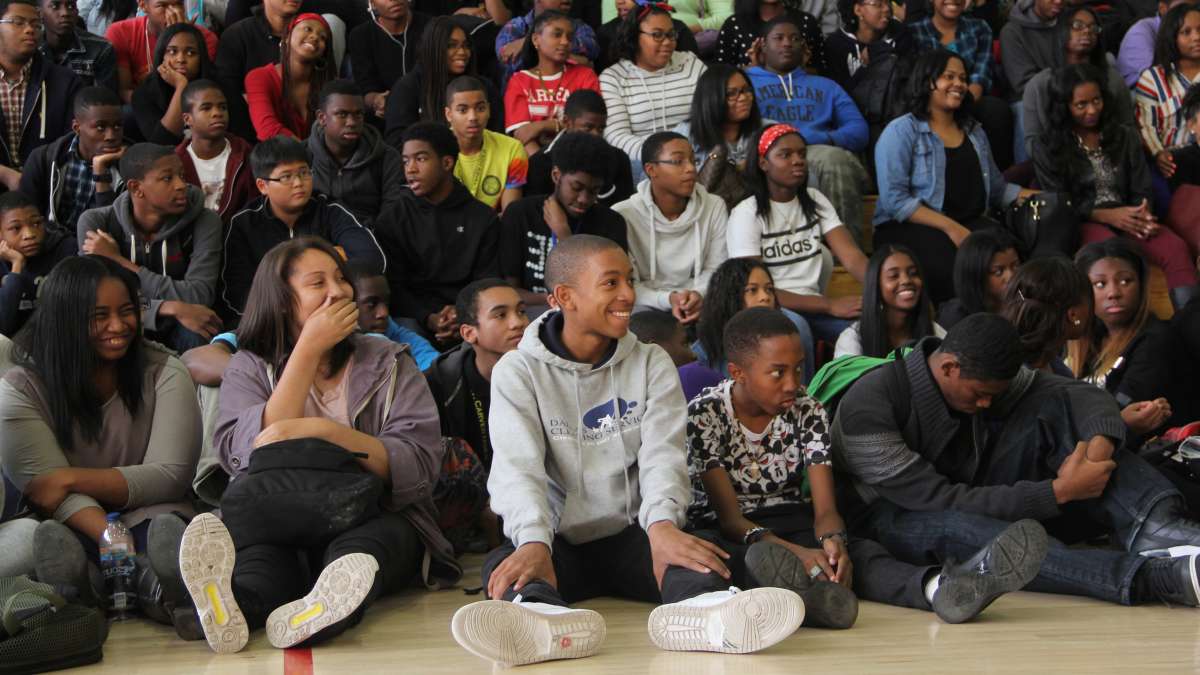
x=113 y=517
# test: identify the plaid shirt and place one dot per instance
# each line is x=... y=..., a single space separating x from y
x=583 y=43
x=972 y=41
x=79 y=186
x=12 y=104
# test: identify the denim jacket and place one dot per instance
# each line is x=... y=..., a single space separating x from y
x=910 y=167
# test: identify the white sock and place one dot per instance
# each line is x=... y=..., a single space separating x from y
x=931 y=587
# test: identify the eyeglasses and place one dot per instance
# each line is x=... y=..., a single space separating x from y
x=21 y=23
x=734 y=94
x=302 y=176
x=673 y=162
x=873 y=3
x=660 y=37
x=1092 y=28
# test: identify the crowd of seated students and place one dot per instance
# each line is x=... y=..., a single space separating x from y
x=613 y=243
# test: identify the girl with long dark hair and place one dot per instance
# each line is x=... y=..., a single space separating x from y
x=1126 y=350
x=96 y=419
x=420 y=96
x=283 y=97
x=986 y=261
x=303 y=374
x=723 y=116
x=937 y=179
x=1087 y=153
x=737 y=284
x=787 y=225
x=896 y=309
x=180 y=57
x=536 y=96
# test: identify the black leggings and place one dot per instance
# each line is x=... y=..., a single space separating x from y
x=267 y=576
x=935 y=251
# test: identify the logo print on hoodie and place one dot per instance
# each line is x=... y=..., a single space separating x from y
x=600 y=423
x=601 y=419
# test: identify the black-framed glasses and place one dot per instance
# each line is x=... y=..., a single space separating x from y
x=673 y=162
x=660 y=37
x=734 y=94
x=21 y=23
x=873 y=3
x=1092 y=28
x=302 y=176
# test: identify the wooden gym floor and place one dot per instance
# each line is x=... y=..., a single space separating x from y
x=1020 y=633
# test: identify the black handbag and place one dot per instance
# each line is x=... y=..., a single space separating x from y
x=1044 y=225
x=301 y=492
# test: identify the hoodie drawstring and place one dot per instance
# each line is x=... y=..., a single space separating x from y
x=789 y=87
x=578 y=437
x=133 y=253
x=654 y=109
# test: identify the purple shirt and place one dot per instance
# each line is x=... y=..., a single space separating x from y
x=1137 y=49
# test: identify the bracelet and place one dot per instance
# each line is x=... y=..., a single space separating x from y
x=103 y=177
x=754 y=534
x=840 y=534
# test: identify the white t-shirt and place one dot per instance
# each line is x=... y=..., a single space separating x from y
x=849 y=343
x=789 y=245
x=212 y=175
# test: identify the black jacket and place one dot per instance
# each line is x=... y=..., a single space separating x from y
x=928 y=461
x=47 y=113
x=371 y=181
x=525 y=239
x=405 y=101
x=436 y=250
x=1150 y=367
x=42 y=181
x=462 y=398
x=18 y=292
x=255 y=230
x=1074 y=175
x=244 y=46
x=377 y=59
x=153 y=96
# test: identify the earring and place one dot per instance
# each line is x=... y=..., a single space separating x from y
x=1078 y=322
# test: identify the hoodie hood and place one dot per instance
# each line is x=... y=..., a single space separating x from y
x=1023 y=14
x=369 y=149
x=123 y=210
x=612 y=438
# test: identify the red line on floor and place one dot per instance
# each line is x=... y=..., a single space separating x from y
x=297 y=662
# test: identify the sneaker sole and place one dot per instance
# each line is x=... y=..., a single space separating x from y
x=826 y=604
x=340 y=589
x=1016 y=556
x=206 y=560
x=747 y=622
x=510 y=635
x=60 y=561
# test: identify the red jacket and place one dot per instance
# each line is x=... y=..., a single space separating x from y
x=239 y=179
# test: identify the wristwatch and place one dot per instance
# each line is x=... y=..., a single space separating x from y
x=840 y=533
x=754 y=534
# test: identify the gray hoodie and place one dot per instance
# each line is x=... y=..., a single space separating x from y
x=579 y=451
x=179 y=262
x=673 y=255
x=370 y=181
x=1029 y=45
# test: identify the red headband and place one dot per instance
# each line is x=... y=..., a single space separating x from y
x=309 y=16
x=772 y=134
x=647 y=5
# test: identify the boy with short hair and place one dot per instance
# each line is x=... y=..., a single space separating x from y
x=589 y=436
x=215 y=159
x=27 y=253
x=438 y=237
x=287 y=209
x=173 y=244
x=585 y=112
x=533 y=225
x=66 y=43
x=251 y=42
x=373 y=298
x=134 y=40
x=492 y=166
x=351 y=163
x=78 y=171
x=676 y=229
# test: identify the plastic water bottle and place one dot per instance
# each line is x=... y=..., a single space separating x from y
x=116 y=561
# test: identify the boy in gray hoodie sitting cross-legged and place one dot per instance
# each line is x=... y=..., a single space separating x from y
x=589 y=474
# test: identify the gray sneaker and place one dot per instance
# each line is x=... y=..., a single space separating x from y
x=826 y=604
x=1006 y=564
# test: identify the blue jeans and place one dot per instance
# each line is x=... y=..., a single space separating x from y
x=934 y=537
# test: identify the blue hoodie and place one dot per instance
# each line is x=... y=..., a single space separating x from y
x=817 y=106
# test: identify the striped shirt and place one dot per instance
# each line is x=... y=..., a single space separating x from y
x=1159 y=109
x=640 y=102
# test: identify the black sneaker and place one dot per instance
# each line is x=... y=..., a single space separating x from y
x=1169 y=580
x=162 y=550
x=1004 y=565
x=826 y=604
x=1165 y=526
x=61 y=562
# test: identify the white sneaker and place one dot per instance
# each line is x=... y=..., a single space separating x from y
x=733 y=621
x=206 y=559
x=517 y=633
x=340 y=589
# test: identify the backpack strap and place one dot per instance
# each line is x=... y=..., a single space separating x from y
x=902 y=394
